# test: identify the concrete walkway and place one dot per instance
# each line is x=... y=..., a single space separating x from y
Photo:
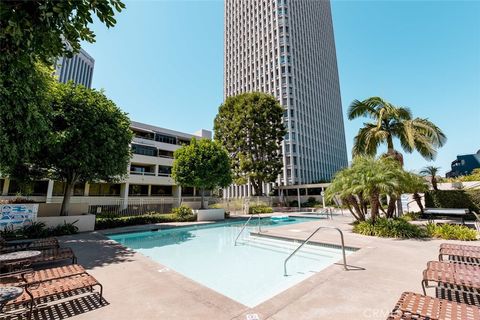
x=136 y=287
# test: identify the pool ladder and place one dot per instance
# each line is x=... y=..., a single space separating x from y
x=304 y=242
x=245 y=225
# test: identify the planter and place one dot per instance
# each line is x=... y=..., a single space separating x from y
x=210 y=214
x=85 y=222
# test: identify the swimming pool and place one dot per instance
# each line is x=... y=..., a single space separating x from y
x=249 y=273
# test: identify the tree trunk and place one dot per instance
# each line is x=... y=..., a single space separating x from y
x=257 y=187
x=418 y=200
x=356 y=206
x=434 y=183
x=375 y=204
x=391 y=206
x=202 y=194
x=67 y=194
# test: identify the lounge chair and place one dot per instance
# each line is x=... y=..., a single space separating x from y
x=37 y=244
x=46 y=256
x=459 y=281
x=36 y=291
x=26 y=277
x=459 y=247
x=464 y=255
x=416 y=306
x=477 y=221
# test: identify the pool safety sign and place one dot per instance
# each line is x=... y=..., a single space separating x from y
x=17 y=215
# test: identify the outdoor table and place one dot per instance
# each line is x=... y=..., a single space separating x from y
x=18 y=256
x=9 y=293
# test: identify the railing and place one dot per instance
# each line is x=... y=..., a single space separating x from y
x=245 y=225
x=142 y=173
x=305 y=242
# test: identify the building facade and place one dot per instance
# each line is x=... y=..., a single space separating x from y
x=464 y=165
x=287 y=48
x=79 y=69
x=149 y=175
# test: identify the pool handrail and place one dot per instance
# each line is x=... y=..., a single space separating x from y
x=305 y=242
x=245 y=225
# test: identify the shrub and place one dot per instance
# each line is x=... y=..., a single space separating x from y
x=389 y=228
x=17 y=200
x=35 y=230
x=453 y=199
x=311 y=202
x=107 y=223
x=182 y=212
x=39 y=230
x=259 y=208
x=411 y=216
x=293 y=203
x=450 y=232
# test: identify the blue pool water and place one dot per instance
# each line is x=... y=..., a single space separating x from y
x=249 y=273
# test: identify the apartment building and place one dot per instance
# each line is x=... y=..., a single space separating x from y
x=287 y=48
x=79 y=69
x=149 y=172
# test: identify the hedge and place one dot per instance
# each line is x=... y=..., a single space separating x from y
x=453 y=199
x=115 y=222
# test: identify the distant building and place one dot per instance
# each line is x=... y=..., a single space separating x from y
x=149 y=173
x=464 y=165
x=79 y=68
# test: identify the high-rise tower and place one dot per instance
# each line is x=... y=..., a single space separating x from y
x=287 y=48
x=79 y=68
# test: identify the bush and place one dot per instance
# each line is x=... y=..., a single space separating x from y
x=311 y=202
x=17 y=200
x=259 y=208
x=450 y=232
x=411 y=216
x=182 y=212
x=150 y=218
x=453 y=199
x=39 y=230
x=293 y=204
x=389 y=228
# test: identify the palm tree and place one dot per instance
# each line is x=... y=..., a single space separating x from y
x=390 y=122
x=432 y=172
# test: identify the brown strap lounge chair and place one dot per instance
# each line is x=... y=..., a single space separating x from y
x=55 y=287
x=38 y=244
x=46 y=256
x=459 y=247
x=460 y=255
x=463 y=280
x=416 y=306
x=27 y=277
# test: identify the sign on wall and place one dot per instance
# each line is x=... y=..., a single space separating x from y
x=17 y=215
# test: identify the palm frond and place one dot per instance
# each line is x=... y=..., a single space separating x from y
x=360 y=109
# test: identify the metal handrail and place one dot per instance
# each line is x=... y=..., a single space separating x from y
x=245 y=225
x=305 y=242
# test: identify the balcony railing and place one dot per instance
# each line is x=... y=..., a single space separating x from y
x=140 y=173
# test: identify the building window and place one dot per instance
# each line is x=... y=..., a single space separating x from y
x=138 y=190
x=144 y=150
x=36 y=188
x=165 y=153
x=164 y=171
x=161 y=190
x=59 y=189
x=104 y=189
x=143 y=134
x=188 y=191
x=165 y=139
x=2 y=183
x=142 y=170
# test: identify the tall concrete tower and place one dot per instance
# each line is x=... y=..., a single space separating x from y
x=287 y=48
x=79 y=68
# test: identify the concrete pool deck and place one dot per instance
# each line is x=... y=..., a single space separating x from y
x=136 y=287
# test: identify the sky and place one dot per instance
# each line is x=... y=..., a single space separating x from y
x=163 y=64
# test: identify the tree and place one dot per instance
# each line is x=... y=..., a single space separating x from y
x=202 y=164
x=89 y=139
x=33 y=32
x=366 y=181
x=431 y=171
x=414 y=184
x=250 y=127
x=390 y=122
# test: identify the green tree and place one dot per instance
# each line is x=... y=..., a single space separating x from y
x=89 y=139
x=202 y=164
x=250 y=127
x=415 y=184
x=366 y=181
x=389 y=122
x=432 y=172
x=33 y=31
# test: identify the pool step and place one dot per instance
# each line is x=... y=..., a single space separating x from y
x=287 y=247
